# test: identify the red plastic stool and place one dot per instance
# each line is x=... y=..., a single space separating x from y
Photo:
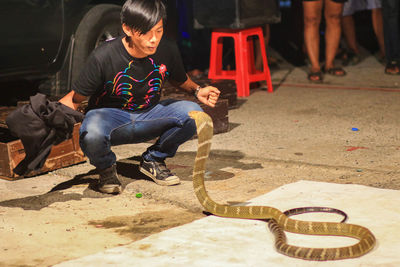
x=245 y=72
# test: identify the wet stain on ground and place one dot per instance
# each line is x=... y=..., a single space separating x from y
x=146 y=223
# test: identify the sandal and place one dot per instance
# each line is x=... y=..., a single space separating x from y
x=380 y=58
x=351 y=58
x=336 y=71
x=315 y=76
x=393 y=68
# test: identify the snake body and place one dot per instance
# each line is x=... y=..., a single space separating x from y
x=279 y=221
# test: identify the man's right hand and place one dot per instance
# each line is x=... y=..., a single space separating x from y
x=72 y=100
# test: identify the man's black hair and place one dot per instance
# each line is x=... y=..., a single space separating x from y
x=143 y=15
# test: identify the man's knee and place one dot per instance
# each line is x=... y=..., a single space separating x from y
x=91 y=134
x=189 y=124
x=90 y=131
x=186 y=107
x=92 y=139
x=192 y=106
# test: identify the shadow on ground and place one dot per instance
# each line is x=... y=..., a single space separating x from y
x=128 y=170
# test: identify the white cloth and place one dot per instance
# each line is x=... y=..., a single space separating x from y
x=228 y=242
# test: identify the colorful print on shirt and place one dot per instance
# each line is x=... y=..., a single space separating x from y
x=134 y=92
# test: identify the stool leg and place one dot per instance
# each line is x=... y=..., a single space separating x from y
x=242 y=66
x=215 y=67
x=250 y=52
x=218 y=64
x=266 y=70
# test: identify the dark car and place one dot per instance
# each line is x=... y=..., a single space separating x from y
x=51 y=39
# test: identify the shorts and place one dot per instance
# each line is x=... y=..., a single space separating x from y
x=353 y=6
x=337 y=1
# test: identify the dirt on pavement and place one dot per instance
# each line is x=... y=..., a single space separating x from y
x=296 y=133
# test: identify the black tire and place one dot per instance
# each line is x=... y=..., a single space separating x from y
x=100 y=23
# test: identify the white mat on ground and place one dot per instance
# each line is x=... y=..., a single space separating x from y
x=215 y=241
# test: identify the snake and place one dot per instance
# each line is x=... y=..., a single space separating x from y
x=279 y=222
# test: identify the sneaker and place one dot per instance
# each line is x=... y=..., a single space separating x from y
x=108 y=182
x=159 y=172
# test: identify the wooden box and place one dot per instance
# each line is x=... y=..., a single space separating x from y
x=219 y=116
x=227 y=89
x=62 y=155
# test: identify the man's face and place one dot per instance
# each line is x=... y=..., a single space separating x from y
x=146 y=44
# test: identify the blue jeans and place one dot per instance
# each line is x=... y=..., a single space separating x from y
x=106 y=127
x=391 y=29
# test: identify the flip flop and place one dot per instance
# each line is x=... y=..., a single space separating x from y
x=392 y=68
x=351 y=59
x=315 y=77
x=336 y=71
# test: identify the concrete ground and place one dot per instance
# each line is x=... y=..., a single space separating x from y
x=302 y=131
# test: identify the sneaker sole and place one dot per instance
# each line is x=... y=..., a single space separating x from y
x=173 y=181
x=110 y=189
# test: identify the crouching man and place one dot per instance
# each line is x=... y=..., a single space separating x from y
x=124 y=78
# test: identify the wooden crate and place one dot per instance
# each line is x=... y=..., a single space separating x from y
x=219 y=116
x=227 y=88
x=62 y=155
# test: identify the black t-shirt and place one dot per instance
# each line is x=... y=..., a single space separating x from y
x=113 y=78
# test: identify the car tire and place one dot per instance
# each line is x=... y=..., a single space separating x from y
x=100 y=23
